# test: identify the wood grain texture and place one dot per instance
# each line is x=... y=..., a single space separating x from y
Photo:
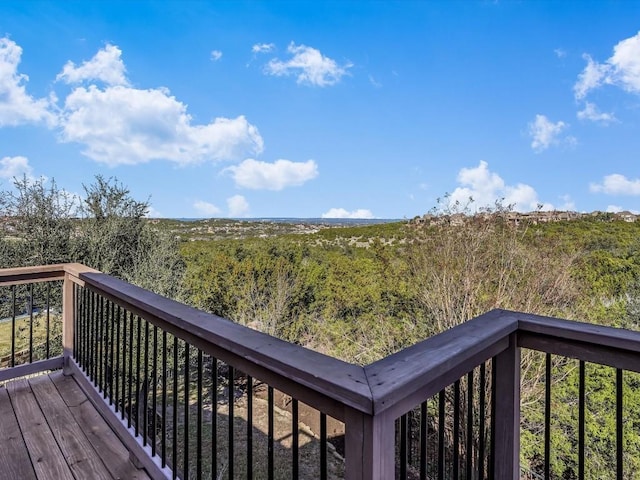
x=46 y=457
x=403 y=380
x=105 y=442
x=53 y=363
x=506 y=460
x=14 y=459
x=76 y=448
x=21 y=275
x=588 y=333
x=370 y=446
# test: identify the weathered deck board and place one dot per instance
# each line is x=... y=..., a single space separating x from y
x=13 y=454
x=104 y=441
x=49 y=429
x=76 y=448
x=45 y=454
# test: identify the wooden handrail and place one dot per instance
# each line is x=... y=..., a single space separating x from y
x=401 y=381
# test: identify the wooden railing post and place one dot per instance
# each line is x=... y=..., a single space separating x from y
x=67 y=323
x=506 y=447
x=369 y=446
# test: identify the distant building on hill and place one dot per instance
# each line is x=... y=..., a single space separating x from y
x=517 y=218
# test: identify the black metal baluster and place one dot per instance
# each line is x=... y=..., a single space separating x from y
x=410 y=437
x=124 y=364
x=482 y=420
x=31 y=323
x=231 y=397
x=100 y=338
x=112 y=352
x=423 y=441
x=13 y=326
x=619 y=424
x=145 y=386
x=82 y=324
x=107 y=351
x=581 y=408
x=199 y=419
x=48 y=323
x=441 y=427
x=163 y=441
x=270 y=433
x=469 y=446
x=249 y=427
x=403 y=447
x=85 y=329
x=323 y=446
x=214 y=417
x=185 y=463
x=492 y=448
x=295 y=440
x=456 y=429
x=130 y=382
x=86 y=307
x=76 y=323
x=94 y=339
x=154 y=395
x=138 y=360
x=174 y=446
x=119 y=349
x=547 y=417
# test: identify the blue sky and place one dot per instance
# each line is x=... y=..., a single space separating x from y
x=339 y=109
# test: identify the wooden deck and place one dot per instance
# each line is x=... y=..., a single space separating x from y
x=50 y=430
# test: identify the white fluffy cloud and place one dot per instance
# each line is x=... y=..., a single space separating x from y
x=621 y=69
x=592 y=113
x=272 y=176
x=238 y=206
x=263 y=48
x=216 y=55
x=16 y=106
x=544 y=133
x=119 y=124
x=309 y=65
x=485 y=187
x=342 y=213
x=593 y=75
x=123 y=125
x=11 y=167
x=106 y=66
x=206 y=208
x=616 y=184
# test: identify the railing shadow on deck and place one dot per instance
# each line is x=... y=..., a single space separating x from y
x=161 y=372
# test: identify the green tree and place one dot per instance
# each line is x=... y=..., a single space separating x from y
x=107 y=230
x=37 y=223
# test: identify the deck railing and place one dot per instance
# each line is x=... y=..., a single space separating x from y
x=193 y=395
